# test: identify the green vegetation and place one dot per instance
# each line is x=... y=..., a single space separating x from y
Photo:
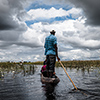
x=7 y=65
x=15 y=68
x=80 y=63
x=34 y=63
x=28 y=68
x=74 y=63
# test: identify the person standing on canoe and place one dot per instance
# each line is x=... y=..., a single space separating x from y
x=51 y=52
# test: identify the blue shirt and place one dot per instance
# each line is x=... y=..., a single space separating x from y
x=50 y=42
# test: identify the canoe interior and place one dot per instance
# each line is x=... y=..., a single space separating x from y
x=46 y=80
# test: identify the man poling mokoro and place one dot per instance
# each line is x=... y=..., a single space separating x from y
x=51 y=52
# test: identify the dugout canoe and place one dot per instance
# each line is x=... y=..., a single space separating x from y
x=46 y=80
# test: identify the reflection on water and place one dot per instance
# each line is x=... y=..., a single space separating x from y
x=22 y=82
x=49 y=91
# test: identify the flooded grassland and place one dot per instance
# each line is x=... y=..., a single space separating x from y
x=22 y=81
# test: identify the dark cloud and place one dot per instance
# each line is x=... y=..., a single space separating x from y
x=91 y=34
x=91 y=10
x=11 y=12
x=7 y=22
x=28 y=44
x=9 y=44
x=12 y=25
x=9 y=35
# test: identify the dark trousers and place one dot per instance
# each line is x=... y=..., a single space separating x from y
x=51 y=60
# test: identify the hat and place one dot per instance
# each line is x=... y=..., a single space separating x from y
x=53 y=31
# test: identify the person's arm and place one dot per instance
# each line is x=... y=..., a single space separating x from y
x=56 y=50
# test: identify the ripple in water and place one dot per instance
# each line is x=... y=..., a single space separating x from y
x=25 y=84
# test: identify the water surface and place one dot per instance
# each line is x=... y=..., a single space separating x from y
x=25 y=84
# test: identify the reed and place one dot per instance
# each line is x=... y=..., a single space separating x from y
x=80 y=63
x=7 y=64
x=74 y=63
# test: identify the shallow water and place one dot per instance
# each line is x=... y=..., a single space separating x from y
x=26 y=85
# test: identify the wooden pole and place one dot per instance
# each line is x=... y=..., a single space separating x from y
x=68 y=75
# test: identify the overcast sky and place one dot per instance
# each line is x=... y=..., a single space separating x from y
x=24 y=24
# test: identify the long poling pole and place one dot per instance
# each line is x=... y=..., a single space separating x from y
x=68 y=75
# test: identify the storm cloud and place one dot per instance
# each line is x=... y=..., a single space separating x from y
x=91 y=9
x=24 y=24
x=9 y=12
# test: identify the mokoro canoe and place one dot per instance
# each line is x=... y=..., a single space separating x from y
x=46 y=80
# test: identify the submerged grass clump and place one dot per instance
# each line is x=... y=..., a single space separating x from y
x=15 y=68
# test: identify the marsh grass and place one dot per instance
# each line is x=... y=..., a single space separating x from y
x=80 y=63
x=28 y=68
x=74 y=63
x=15 y=68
